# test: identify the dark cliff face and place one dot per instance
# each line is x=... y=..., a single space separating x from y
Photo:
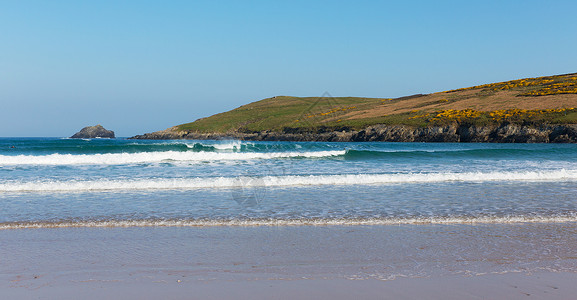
x=503 y=133
x=92 y=132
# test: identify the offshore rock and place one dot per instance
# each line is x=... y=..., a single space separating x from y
x=92 y=132
x=463 y=133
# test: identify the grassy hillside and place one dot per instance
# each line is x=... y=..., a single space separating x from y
x=551 y=99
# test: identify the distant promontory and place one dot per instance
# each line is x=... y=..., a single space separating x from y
x=92 y=132
x=530 y=110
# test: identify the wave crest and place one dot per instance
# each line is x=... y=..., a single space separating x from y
x=153 y=157
x=288 y=180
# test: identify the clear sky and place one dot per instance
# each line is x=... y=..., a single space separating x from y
x=141 y=66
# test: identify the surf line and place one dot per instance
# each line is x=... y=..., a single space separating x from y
x=284 y=180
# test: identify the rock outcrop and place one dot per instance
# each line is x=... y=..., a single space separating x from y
x=502 y=133
x=92 y=132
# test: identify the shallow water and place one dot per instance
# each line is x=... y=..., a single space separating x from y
x=52 y=182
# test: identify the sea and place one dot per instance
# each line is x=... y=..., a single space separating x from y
x=76 y=211
x=61 y=182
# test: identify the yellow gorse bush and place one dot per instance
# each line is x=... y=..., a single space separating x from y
x=552 y=85
x=453 y=115
x=507 y=85
x=500 y=115
x=567 y=87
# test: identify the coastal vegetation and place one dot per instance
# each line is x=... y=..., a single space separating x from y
x=541 y=86
x=516 y=116
x=542 y=100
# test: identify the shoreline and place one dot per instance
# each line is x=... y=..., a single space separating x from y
x=258 y=223
x=500 y=133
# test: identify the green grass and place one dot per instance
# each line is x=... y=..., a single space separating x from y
x=277 y=113
x=280 y=115
x=285 y=113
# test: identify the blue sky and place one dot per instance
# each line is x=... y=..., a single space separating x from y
x=142 y=66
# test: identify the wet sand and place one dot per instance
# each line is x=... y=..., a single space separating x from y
x=488 y=261
x=505 y=286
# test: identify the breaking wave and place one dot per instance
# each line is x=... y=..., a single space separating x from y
x=289 y=180
x=153 y=157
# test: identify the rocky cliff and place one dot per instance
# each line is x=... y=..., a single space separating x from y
x=502 y=133
x=92 y=132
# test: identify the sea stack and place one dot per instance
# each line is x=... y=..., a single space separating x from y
x=92 y=132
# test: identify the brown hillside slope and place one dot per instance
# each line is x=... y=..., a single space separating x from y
x=550 y=100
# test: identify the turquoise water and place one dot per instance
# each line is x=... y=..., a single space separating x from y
x=54 y=182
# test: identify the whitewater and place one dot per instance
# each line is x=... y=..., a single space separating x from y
x=56 y=183
x=280 y=181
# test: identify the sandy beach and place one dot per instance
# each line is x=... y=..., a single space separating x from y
x=495 y=261
x=506 y=286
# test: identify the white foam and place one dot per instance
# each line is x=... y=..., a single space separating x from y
x=151 y=157
x=292 y=222
x=291 y=180
x=228 y=145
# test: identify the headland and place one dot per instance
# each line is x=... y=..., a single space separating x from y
x=531 y=110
